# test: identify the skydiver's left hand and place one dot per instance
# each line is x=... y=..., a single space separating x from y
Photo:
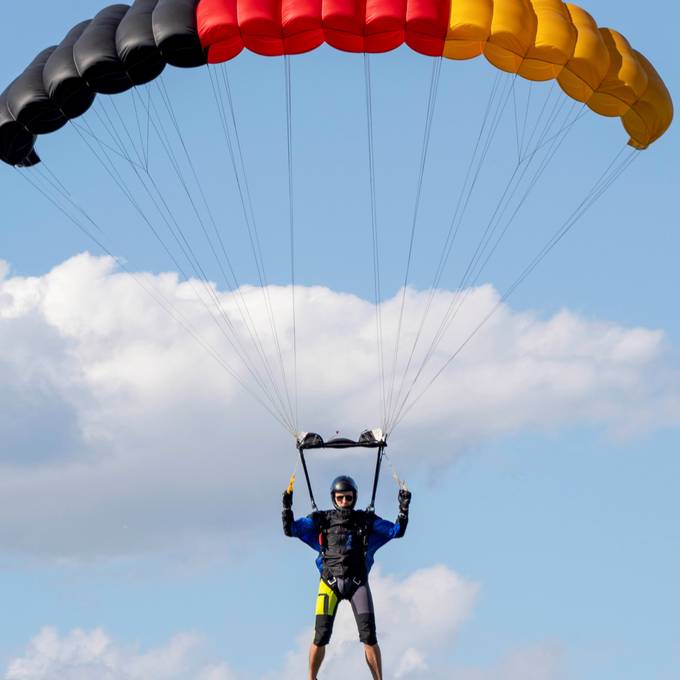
x=404 y=500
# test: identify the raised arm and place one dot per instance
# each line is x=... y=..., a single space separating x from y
x=287 y=513
x=382 y=530
x=305 y=528
x=402 y=519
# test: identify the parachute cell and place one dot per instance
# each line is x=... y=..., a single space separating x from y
x=29 y=102
x=96 y=56
x=136 y=45
x=64 y=85
x=554 y=43
x=16 y=142
x=469 y=28
x=589 y=62
x=513 y=33
x=176 y=34
x=218 y=29
x=651 y=115
x=626 y=79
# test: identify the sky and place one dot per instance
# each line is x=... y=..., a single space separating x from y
x=140 y=487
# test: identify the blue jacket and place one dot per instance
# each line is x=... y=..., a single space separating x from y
x=380 y=532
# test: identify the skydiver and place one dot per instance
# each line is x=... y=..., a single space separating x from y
x=346 y=541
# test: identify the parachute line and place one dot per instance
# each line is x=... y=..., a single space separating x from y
x=374 y=234
x=185 y=247
x=614 y=170
x=526 y=114
x=142 y=141
x=473 y=271
x=156 y=295
x=243 y=186
x=291 y=203
x=494 y=109
x=251 y=225
x=241 y=303
x=431 y=103
x=474 y=268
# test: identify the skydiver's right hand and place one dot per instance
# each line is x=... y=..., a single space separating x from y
x=287 y=499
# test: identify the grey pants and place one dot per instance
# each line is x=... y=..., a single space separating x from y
x=328 y=597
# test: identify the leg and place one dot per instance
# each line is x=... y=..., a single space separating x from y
x=316 y=655
x=326 y=608
x=362 y=606
x=374 y=660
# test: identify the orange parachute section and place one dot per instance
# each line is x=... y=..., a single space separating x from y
x=536 y=39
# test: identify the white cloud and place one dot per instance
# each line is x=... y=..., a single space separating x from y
x=422 y=615
x=416 y=617
x=536 y=662
x=419 y=619
x=120 y=433
x=82 y=655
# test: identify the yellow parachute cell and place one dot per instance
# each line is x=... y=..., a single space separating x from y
x=589 y=62
x=513 y=34
x=554 y=44
x=651 y=115
x=625 y=82
x=469 y=28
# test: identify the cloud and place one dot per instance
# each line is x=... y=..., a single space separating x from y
x=82 y=655
x=422 y=615
x=416 y=616
x=419 y=619
x=543 y=661
x=121 y=433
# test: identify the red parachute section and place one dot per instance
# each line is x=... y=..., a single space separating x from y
x=277 y=27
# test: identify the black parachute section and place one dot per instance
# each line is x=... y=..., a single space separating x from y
x=136 y=46
x=176 y=34
x=122 y=47
x=96 y=56
x=16 y=142
x=64 y=85
x=28 y=101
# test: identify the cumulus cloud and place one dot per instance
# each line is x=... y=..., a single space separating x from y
x=422 y=615
x=121 y=432
x=417 y=617
x=544 y=661
x=83 y=655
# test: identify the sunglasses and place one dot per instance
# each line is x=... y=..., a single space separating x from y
x=344 y=497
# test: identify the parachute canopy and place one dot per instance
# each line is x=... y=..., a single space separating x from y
x=124 y=46
x=168 y=177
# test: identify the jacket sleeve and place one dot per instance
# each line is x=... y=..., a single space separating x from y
x=305 y=528
x=384 y=530
x=287 y=518
x=401 y=524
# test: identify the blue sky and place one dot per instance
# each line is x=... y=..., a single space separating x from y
x=139 y=512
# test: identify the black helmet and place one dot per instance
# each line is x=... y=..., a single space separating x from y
x=344 y=483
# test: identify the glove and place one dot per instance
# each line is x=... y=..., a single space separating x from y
x=404 y=501
x=287 y=512
x=287 y=520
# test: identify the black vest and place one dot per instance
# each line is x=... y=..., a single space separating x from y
x=344 y=535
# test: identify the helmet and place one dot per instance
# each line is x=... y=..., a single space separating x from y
x=344 y=483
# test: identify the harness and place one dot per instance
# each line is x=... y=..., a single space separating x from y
x=344 y=566
x=343 y=542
